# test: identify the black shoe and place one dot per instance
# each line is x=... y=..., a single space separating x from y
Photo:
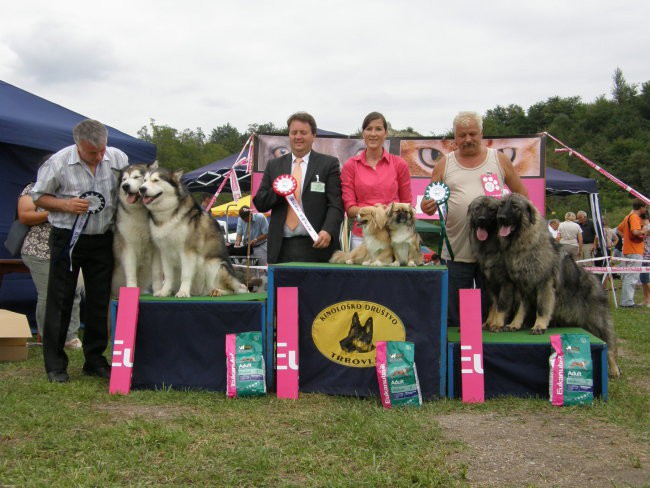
x=101 y=371
x=631 y=306
x=57 y=377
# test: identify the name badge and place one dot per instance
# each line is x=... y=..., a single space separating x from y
x=317 y=186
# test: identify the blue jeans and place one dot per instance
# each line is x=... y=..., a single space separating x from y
x=39 y=268
x=629 y=280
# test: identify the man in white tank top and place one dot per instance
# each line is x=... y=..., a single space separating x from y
x=462 y=172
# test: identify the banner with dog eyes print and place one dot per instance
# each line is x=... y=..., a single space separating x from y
x=345 y=310
x=526 y=153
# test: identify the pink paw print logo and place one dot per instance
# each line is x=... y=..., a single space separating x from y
x=491 y=185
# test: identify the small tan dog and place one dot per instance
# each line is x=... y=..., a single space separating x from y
x=376 y=248
x=404 y=239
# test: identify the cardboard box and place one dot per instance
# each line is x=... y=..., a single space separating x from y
x=14 y=332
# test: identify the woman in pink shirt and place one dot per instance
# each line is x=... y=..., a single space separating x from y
x=374 y=175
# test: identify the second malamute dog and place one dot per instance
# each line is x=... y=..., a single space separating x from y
x=191 y=244
x=136 y=259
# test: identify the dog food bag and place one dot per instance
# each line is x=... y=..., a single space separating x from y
x=397 y=375
x=245 y=371
x=571 y=376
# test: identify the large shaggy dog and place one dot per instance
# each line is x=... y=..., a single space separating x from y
x=136 y=258
x=404 y=239
x=191 y=244
x=376 y=249
x=549 y=280
x=486 y=248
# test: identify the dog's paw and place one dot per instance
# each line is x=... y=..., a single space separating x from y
x=538 y=330
x=411 y=264
x=395 y=263
x=216 y=292
x=183 y=294
x=349 y=261
x=495 y=328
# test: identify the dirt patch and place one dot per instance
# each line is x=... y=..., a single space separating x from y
x=154 y=412
x=546 y=450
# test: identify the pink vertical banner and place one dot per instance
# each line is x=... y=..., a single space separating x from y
x=124 y=340
x=471 y=347
x=287 y=342
x=231 y=365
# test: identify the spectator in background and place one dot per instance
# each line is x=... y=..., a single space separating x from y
x=611 y=237
x=570 y=236
x=256 y=236
x=553 y=225
x=589 y=237
x=644 y=278
x=373 y=175
x=35 y=253
x=633 y=245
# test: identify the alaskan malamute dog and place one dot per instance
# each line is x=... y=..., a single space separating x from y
x=136 y=259
x=192 y=248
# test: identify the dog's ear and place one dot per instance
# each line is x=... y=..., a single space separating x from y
x=368 y=324
x=532 y=214
x=178 y=174
x=381 y=218
x=355 y=320
x=152 y=166
x=117 y=172
x=390 y=210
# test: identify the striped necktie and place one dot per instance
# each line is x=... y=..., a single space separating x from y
x=292 y=218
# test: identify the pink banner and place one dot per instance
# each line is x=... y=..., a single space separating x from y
x=231 y=365
x=124 y=341
x=471 y=347
x=287 y=342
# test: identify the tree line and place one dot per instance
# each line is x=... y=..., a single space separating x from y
x=613 y=131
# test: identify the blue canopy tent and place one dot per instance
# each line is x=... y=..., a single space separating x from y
x=30 y=128
x=563 y=183
x=209 y=177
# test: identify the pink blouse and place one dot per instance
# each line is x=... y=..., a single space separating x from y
x=363 y=185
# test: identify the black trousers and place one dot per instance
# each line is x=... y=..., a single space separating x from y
x=463 y=276
x=93 y=255
x=300 y=249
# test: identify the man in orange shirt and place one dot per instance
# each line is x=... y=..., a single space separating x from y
x=633 y=233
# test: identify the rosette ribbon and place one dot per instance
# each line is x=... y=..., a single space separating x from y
x=96 y=203
x=439 y=192
x=285 y=186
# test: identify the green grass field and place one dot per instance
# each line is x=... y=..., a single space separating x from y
x=76 y=434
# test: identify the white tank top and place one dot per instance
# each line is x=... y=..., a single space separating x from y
x=465 y=185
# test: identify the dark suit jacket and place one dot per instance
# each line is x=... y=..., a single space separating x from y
x=323 y=210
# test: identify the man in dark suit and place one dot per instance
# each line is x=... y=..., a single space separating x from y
x=319 y=194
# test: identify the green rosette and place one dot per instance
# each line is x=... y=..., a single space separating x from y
x=439 y=192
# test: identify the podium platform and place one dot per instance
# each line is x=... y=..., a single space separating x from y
x=516 y=363
x=343 y=310
x=180 y=343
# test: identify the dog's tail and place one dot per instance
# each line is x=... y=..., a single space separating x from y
x=340 y=257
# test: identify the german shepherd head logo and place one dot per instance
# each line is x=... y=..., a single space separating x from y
x=359 y=337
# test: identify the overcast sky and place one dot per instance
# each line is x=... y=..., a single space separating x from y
x=192 y=63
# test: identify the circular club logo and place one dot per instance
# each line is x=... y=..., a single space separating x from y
x=346 y=332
